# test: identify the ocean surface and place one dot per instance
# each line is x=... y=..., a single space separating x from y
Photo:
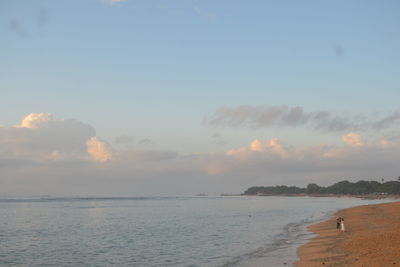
x=159 y=231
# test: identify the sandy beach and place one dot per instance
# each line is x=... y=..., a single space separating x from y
x=372 y=238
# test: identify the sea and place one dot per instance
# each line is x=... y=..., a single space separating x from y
x=160 y=231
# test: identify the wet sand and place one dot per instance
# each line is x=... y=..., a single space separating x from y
x=372 y=238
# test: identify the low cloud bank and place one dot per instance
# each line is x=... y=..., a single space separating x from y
x=43 y=155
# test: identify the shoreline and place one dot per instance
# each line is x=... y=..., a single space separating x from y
x=365 y=196
x=372 y=238
x=284 y=250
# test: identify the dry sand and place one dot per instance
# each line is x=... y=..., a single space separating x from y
x=372 y=238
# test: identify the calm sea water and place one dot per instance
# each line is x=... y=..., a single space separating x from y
x=173 y=231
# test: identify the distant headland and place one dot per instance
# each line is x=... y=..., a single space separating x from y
x=360 y=188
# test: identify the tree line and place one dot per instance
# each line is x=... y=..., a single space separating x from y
x=343 y=187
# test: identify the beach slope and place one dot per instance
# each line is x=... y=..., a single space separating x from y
x=372 y=238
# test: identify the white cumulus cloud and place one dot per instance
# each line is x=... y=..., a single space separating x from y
x=273 y=146
x=99 y=150
x=40 y=137
x=34 y=120
x=270 y=148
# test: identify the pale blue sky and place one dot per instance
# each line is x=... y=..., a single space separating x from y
x=157 y=70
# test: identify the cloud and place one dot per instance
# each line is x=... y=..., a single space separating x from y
x=34 y=120
x=123 y=139
x=353 y=139
x=384 y=142
x=98 y=150
x=256 y=117
x=273 y=146
x=147 y=155
x=145 y=142
x=113 y=2
x=40 y=137
x=44 y=155
x=389 y=141
x=265 y=149
x=205 y=14
x=266 y=162
x=386 y=121
x=218 y=139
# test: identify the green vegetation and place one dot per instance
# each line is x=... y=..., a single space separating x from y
x=274 y=190
x=340 y=188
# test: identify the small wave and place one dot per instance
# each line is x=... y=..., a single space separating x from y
x=293 y=235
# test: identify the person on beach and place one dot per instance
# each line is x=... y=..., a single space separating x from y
x=338 y=220
x=342 y=225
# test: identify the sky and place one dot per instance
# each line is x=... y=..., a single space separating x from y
x=179 y=97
